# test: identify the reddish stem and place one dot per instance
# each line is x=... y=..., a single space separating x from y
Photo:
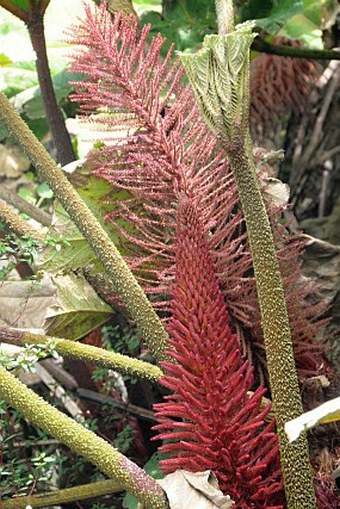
x=61 y=137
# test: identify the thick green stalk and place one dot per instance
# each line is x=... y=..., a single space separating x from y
x=283 y=378
x=83 y=441
x=294 y=51
x=127 y=287
x=219 y=74
x=14 y=223
x=96 y=489
x=87 y=353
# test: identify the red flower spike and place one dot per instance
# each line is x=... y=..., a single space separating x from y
x=158 y=148
x=165 y=150
x=222 y=428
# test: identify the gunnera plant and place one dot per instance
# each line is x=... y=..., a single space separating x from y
x=185 y=238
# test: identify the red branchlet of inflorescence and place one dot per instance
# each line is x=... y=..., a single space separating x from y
x=209 y=421
x=184 y=236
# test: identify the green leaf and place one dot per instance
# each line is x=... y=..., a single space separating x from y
x=271 y=15
x=130 y=502
x=152 y=465
x=307 y=26
x=5 y=60
x=39 y=126
x=311 y=9
x=254 y=9
x=22 y=4
x=186 y=23
x=43 y=191
x=303 y=29
x=27 y=194
x=30 y=100
x=18 y=76
x=80 y=310
x=68 y=249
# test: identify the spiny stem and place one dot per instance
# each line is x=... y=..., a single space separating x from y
x=64 y=496
x=283 y=378
x=287 y=404
x=11 y=219
x=83 y=441
x=122 y=278
x=219 y=74
x=86 y=353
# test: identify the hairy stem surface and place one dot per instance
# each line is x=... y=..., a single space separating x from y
x=24 y=206
x=86 y=353
x=283 y=378
x=219 y=74
x=83 y=441
x=14 y=223
x=67 y=495
x=225 y=16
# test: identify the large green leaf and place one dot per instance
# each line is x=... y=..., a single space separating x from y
x=308 y=25
x=303 y=29
x=185 y=24
x=79 y=309
x=68 y=250
x=271 y=15
x=64 y=305
x=17 y=76
x=30 y=102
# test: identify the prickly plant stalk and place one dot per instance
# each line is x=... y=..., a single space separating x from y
x=86 y=353
x=219 y=74
x=126 y=285
x=81 y=440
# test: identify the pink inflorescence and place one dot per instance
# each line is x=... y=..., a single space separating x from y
x=209 y=421
x=157 y=147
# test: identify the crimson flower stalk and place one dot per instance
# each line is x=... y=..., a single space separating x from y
x=175 y=206
x=209 y=421
x=157 y=147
